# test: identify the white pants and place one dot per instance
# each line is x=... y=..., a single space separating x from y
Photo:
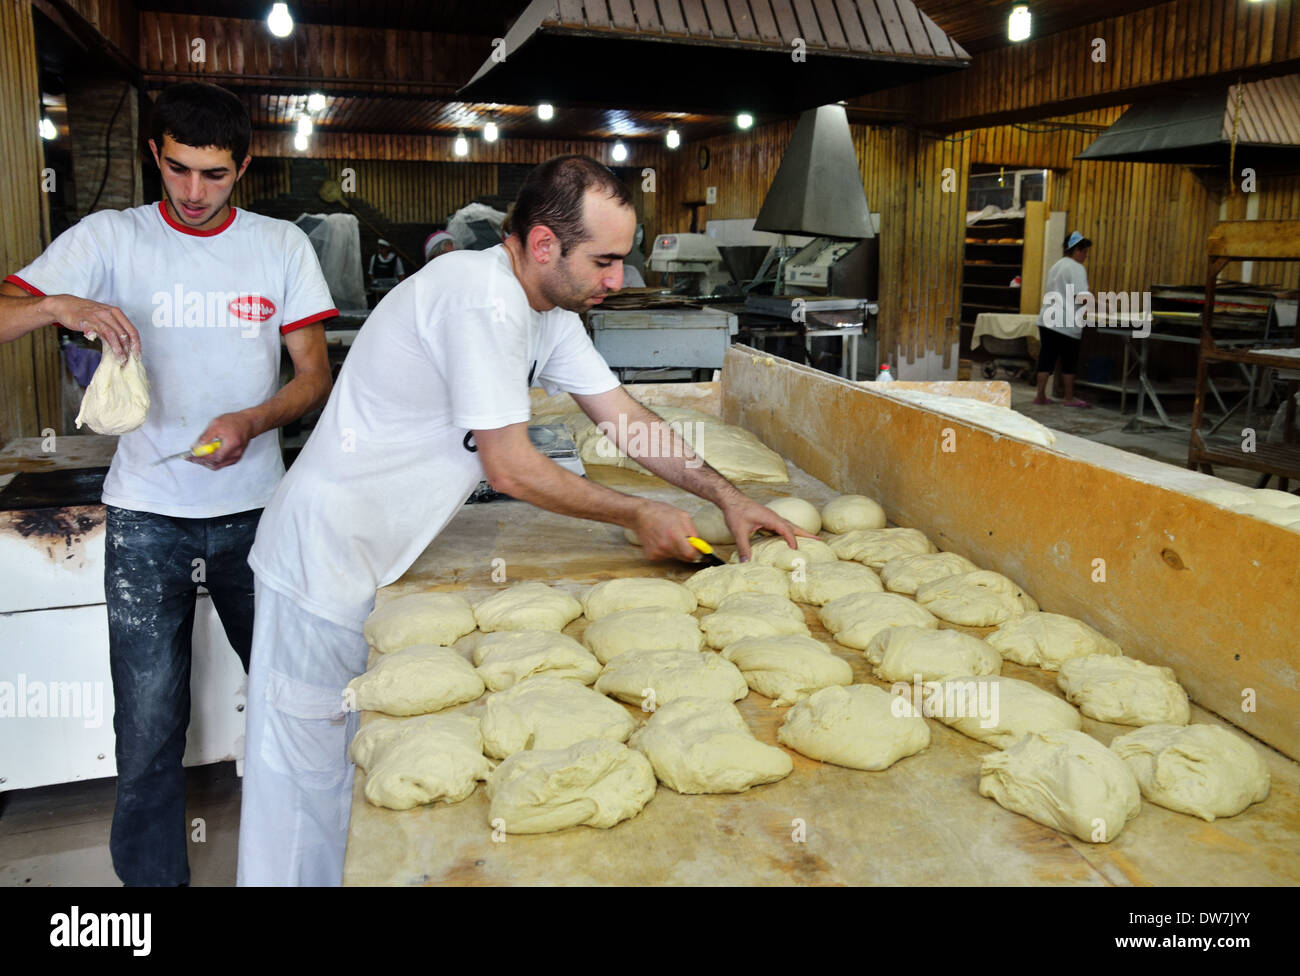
x=293 y=827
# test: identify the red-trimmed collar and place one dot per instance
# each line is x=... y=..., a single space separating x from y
x=174 y=225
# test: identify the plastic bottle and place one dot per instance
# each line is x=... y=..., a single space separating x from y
x=884 y=376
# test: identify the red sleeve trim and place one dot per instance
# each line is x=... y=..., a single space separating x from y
x=329 y=313
x=13 y=279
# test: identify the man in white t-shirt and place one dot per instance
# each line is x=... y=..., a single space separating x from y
x=1060 y=333
x=432 y=398
x=212 y=291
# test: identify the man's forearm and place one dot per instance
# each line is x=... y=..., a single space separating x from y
x=302 y=394
x=541 y=482
x=672 y=459
x=21 y=315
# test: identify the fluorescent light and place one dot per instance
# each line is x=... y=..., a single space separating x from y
x=620 y=152
x=300 y=142
x=744 y=120
x=461 y=146
x=315 y=102
x=278 y=21
x=47 y=129
x=674 y=139
x=546 y=111
x=489 y=132
x=1018 y=24
x=304 y=125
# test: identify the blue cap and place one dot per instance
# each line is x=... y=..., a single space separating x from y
x=1077 y=240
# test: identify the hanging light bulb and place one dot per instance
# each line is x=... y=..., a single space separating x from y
x=278 y=21
x=47 y=129
x=489 y=132
x=744 y=120
x=461 y=146
x=304 y=125
x=300 y=142
x=546 y=111
x=315 y=102
x=1018 y=24
x=620 y=152
x=673 y=139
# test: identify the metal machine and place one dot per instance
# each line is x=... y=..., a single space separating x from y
x=683 y=337
x=831 y=267
x=692 y=260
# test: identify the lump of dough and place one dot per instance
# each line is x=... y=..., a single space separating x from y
x=789 y=668
x=594 y=783
x=751 y=615
x=702 y=745
x=1123 y=691
x=902 y=653
x=801 y=512
x=777 y=552
x=711 y=526
x=714 y=584
x=117 y=399
x=997 y=709
x=671 y=675
x=416 y=680
x=413 y=761
x=1202 y=770
x=508 y=656
x=421 y=618
x=634 y=593
x=1065 y=780
x=527 y=606
x=855 y=619
x=875 y=547
x=1044 y=640
x=820 y=583
x=645 y=629
x=860 y=726
x=547 y=712
x=906 y=573
x=849 y=513
x=979 y=599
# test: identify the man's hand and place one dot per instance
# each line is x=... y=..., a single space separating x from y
x=106 y=321
x=235 y=431
x=662 y=531
x=745 y=516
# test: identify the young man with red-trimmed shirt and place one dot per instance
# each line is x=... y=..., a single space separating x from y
x=203 y=293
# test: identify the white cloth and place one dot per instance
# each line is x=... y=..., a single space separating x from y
x=998 y=325
x=297 y=790
x=210 y=308
x=450 y=350
x=1066 y=280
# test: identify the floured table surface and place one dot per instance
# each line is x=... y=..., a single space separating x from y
x=920 y=822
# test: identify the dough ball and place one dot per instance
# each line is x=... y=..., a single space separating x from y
x=594 y=783
x=901 y=653
x=787 y=669
x=906 y=574
x=849 y=513
x=117 y=399
x=1124 y=691
x=409 y=762
x=997 y=709
x=614 y=595
x=702 y=745
x=1201 y=770
x=506 y=657
x=978 y=599
x=548 y=712
x=711 y=526
x=527 y=606
x=414 y=681
x=820 y=583
x=671 y=675
x=1045 y=640
x=421 y=618
x=1065 y=780
x=857 y=618
x=751 y=615
x=777 y=552
x=799 y=511
x=875 y=547
x=860 y=726
x=713 y=585
x=645 y=629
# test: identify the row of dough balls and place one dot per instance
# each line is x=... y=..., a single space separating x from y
x=842 y=514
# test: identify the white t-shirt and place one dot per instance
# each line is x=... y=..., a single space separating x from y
x=450 y=350
x=1065 y=280
x=210 y=307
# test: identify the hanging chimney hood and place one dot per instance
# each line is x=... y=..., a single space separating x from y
x=711 y=57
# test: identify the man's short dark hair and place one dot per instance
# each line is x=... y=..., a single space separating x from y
x=198 y=114
x=552 y=196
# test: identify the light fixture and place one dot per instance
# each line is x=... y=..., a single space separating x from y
x=278 y=21
x=300 y=142
x=47 y=129
x=546 y=111
x=315 y=102
x=674 y=139
x=744 y=120
x=489 y=132
x=304 y=125
x=620 y=152
x=461 y=146
x=1018 y=24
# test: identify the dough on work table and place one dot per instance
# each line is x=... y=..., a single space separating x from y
x=852 y=512
x=416 y=680
x=855 y=619
x=1202 y=770
x=117 y=399
x=1124 y=691
x=820 y=583
x=979 y=599
x=421 y=618
x=860 y=726
x=630 y=677
x=787 y=668
x=905 y=574
x=800 y=511
x=527 y=606
x=547 y=712
x=751 y=615
x=711 y=526
x=633 y=593
x=777 y=552
x=702 y=745
x=508 y=656
x=412 y=761
x=1044 y=640
x=875 y=547
x=997 y=709
x=1065 y=780
x=644 y=629
x=901 y=653
x=594 y=783
x=715 y=583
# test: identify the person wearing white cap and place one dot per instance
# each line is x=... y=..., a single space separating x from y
x=439 y=242
x=1059 y=331
x=385 y=264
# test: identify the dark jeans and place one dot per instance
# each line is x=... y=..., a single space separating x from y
x=151 y=579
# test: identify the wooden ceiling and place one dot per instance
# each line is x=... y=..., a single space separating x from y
x=981 y=25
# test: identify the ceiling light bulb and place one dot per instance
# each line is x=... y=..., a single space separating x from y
x=300 y=142
x=315 y=102
x=546 y=111
x=461 y=146
x=620 y=152
x=674 y=139
x=47 y=129
x=304 y=125
x=1018 y=24
x=489 y=132
x=744 y=120
x=278 y=21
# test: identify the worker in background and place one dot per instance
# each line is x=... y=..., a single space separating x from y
x=1060 y=331
x=173 y=526
x=439 y=242
x=385 y=265
x=433 y=398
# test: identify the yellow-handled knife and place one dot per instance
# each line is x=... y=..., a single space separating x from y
x=200 y=450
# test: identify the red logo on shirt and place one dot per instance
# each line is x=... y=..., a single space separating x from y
x=252 y=308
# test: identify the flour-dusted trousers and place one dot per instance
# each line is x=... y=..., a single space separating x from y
x=293 y=826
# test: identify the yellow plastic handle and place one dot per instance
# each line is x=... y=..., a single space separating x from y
x=203 y=450
x=700 y=544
